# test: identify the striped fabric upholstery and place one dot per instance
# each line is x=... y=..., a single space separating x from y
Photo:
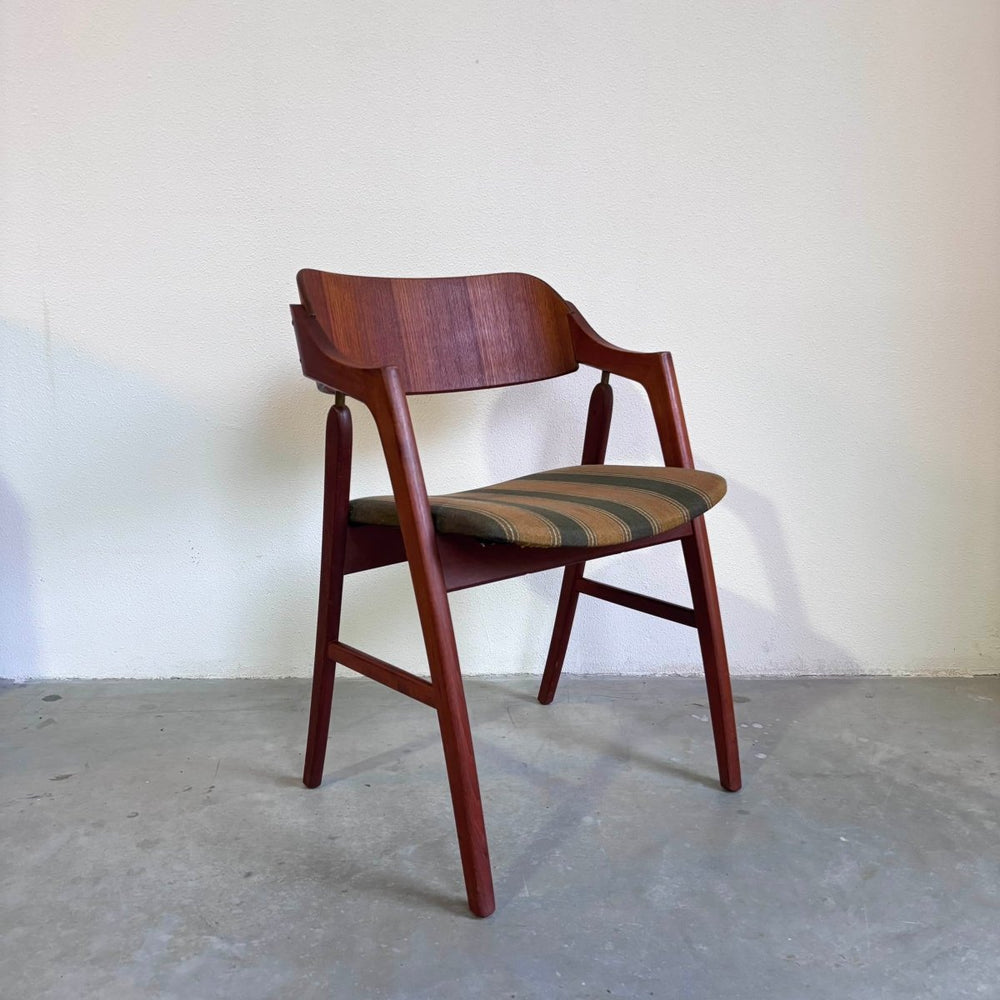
x=582 y=505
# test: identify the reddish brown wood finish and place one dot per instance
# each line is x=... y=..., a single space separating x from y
x=444 y=334
x=393 y=420
x=638 y=602
x=704 y=596
x=470 y=563
x=378 y=339
x=655 y=372
x=385 y=673
x=336 y=498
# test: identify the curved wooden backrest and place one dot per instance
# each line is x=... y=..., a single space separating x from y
x=444 y=334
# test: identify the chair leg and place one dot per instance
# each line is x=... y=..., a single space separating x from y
x=324 y=670
x=565 y=613
x=463 y=779
x=456 y=739
x=705 y=599
x=331 y=588
x=319 y=723
x=595 y=446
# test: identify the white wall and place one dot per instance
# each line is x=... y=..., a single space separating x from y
x=801 y=200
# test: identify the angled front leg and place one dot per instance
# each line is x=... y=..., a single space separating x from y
x=336 y=499
x=655 y=373
x=393 y=419
x=665 y=398
x=456 y=738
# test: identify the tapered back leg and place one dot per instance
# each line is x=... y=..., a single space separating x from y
x=336 y=499
x=595 y=447
x=569 y=595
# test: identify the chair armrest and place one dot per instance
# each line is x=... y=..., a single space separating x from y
x=321 y=361
x=382 y=391
x=654 y=371
x=593 y=350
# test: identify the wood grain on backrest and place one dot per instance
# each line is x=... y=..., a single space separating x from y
x=445 y=334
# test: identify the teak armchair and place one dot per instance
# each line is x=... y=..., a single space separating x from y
x=379 y=340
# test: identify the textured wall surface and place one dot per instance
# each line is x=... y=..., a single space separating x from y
x=800 y=200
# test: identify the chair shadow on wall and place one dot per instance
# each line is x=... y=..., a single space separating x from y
x=514 y=410
x=782 y=631
x=785 y=626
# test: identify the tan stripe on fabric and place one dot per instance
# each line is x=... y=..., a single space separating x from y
x=613 y=494
x=688 y=478
x=517 y=523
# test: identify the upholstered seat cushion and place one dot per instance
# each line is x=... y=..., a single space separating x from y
x=581 y=505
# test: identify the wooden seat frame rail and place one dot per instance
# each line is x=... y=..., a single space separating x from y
x=442 y=563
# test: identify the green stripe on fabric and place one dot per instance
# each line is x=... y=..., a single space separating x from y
x=670 y=489
x=471 y=522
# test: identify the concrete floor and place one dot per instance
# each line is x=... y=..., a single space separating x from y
x=157 y=843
